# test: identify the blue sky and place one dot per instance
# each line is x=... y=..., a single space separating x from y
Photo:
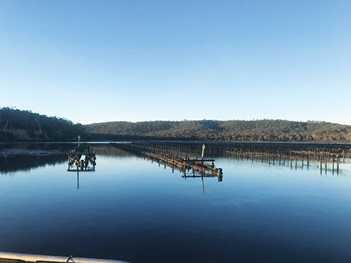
x=96 y=61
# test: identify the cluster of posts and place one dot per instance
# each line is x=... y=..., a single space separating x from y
x=81 y=157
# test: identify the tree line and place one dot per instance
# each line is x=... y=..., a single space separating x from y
x=234 y=130
x=21 y=125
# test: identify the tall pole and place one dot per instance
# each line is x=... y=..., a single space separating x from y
x=203 y=153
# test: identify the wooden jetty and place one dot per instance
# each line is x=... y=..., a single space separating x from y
x=203 y=166
x=31 y=258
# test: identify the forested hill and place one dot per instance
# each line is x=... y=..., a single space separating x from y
x=18 y=125
x=259 y=130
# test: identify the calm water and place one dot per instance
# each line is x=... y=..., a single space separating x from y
x=135 y=210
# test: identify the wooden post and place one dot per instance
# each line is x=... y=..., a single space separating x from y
x=219 y=172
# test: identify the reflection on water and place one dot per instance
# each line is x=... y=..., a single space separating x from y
x=23 y=157
x=135 y=210
x=9 y=164
x=189 y=173
x=77 y=180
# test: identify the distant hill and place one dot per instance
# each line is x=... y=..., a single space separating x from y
x=259 y=130
x=18 y=125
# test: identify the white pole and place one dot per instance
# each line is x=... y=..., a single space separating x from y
x=203 y=152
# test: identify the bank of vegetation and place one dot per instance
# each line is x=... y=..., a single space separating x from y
x=20 y=125
x=256 y=130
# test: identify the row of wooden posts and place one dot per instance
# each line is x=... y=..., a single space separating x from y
x=326 y=152
x=198 y=165
x=303 y=158
x=296 y=154
x=326 y=156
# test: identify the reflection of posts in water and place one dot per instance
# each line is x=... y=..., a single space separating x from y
x=333 y=166
x=302 y=163
x=195 y=174
x=78 y=179
x=203 y=184
x=337 y=165
x=321 y=165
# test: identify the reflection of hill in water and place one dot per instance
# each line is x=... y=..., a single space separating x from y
x=108 y=150
x=24 y=157
x=28 y=147
x=15 y=163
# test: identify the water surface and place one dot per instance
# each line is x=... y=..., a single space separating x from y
x=136 y=210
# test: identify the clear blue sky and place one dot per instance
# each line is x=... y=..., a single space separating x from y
x=132 y=60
